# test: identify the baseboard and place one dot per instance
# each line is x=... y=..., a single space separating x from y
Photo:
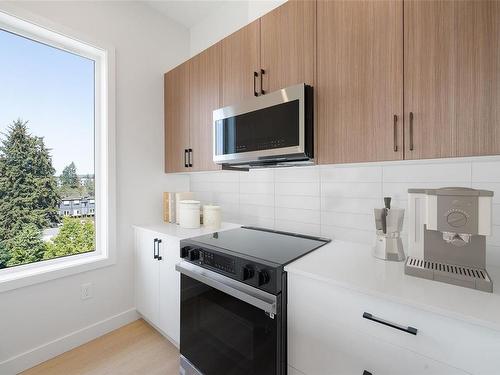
x=62 y=344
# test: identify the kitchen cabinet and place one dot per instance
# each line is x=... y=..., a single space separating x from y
x=452 y=78
x=157 y=283
x=329 y=318
x=240 y=60
x=204 y=98
x=359 y=87
x=177 y=107
x=288 y=39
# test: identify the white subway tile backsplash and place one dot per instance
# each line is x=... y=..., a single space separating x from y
x=436 y=172
x=299 y=215
x=488 y=171
x=337 y=200
x=299 y=189
x=293 y=201
x=298 y=174
x=334 y=173
x=298 y=227
x=352 y=190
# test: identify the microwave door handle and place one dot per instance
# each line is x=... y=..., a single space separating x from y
x=255 y=297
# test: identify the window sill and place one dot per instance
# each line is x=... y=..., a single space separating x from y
x=31 y=274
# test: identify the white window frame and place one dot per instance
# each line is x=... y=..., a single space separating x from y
x=104 y=146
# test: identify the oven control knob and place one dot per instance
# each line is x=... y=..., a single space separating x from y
x=264 y=277
x=185 y=251
x=248 y=272
x=194 y=254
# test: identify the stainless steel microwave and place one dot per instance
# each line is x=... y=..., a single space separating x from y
x=275 y=129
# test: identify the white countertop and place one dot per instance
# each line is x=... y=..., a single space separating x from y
x=352 y=266
x=175 y=230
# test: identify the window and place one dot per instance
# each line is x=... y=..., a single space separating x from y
x=56 y=150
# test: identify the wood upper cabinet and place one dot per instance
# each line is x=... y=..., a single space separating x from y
x=288 y=45
x=176 y=96
x=359 y=85
x=452 y=78
x=240 y=60
x=204 y=98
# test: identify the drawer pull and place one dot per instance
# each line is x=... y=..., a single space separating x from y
x=410 y=330
x=367 y=373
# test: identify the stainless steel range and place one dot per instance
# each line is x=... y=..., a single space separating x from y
x=233 y=300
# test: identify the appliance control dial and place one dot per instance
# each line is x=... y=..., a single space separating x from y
x=248 y=272
x=194 y=254
x=264 y=277
x=457 y=219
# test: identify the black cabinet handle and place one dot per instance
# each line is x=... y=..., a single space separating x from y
x=158 y=256
x=190 y=157
x=185 y=158
x=410 y=330
x=411 y=131
x=367 y=373
x=255 y=75
x=395 y=133
x=262 y=72
x=155 y=256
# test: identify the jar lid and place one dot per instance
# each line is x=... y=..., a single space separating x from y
x=211 y=207
x=189 y=202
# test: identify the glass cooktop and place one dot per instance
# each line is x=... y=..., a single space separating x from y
x=271 y=246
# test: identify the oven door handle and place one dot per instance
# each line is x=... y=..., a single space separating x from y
x=253 y=296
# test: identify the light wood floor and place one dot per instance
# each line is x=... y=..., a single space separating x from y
x=135 y=349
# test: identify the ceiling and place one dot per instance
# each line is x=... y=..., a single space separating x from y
x=186 y=12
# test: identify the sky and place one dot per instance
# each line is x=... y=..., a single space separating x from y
x=54 y=91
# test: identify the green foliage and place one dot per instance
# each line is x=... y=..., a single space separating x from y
x=71 y=186
x=28 y=188
x=69 y=178
x=4 y=255
x=27 y=246
x=76 y=236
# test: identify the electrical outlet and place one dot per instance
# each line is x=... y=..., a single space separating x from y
x=86 y=291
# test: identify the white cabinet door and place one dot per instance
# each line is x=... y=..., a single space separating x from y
x=146 y=276
x=169 y=298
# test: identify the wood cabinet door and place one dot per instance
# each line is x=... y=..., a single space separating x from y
x=240 y=60
x=359 y=88
x=176 y=118
x=288 y=45
x=146 y=276
x=204 y=94
x=452 y=78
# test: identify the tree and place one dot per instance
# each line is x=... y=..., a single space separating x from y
x=28 y=188
x=27 y=246
x=89 y=186
x=4 y=255
x=69 y=178
x=76 y=236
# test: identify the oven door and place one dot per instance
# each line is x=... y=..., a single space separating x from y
x=227 y=327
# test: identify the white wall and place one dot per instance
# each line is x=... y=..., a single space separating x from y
x=337 y=201
x=226 y=20
x=37 y=318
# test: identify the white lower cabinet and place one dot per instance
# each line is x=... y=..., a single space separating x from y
x=157 y=283
x=327 y=334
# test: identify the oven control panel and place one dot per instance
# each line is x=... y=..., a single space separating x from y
x=251 y=273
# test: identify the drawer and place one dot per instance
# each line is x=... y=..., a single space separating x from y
x=319 y=347
x=455 y=343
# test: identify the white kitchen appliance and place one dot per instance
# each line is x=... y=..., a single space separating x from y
x=447 y=235
x=389 y=223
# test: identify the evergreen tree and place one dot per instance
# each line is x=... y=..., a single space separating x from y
x=76 y=236
x=4 y=255
x=28 y=188
x=27 y=246
x=69 y=178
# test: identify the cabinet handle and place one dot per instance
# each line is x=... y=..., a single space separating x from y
x=185 y=158
x=410 y=330
x=367 y=373
x=158 y=256
x=395 y=133
x=190 y=157
x=411 y=131
x=262 y=72
x=255 y=75
x=155 y=256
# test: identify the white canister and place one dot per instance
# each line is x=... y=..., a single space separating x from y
x=211 y=216
x=189 y=214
